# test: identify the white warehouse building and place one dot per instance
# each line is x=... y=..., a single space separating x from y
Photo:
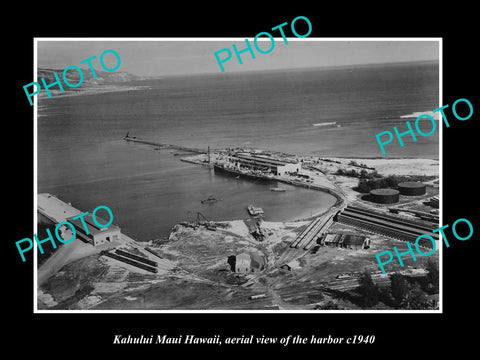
x=254 y=162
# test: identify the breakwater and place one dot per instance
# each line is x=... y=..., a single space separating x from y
x=167 y=146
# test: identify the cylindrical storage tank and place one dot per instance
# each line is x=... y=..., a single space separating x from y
x=412 y=188
x=384 y=196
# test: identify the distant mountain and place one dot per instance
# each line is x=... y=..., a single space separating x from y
x=103 y=77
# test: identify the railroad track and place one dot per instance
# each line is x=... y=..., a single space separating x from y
x=388 y=217
x=386 y=225
x=130 y=261
x=314 y=230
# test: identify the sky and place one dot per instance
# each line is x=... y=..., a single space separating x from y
x=163 y=57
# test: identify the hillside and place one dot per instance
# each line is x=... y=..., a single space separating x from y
x=103 y=77
x=105 y=81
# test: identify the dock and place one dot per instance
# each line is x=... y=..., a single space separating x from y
x=53 y=210
x=255 y=211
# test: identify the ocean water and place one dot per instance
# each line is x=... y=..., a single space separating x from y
x=83 y=159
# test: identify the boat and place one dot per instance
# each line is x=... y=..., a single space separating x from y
x=277 y=189
x=221 y=169
x=258 y=296
x=254 y=211
x=210 y=199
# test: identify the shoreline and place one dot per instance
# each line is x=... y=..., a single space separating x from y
x=342 y=187
x=91 y=91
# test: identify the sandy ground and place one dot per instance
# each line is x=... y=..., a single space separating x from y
x=384 y=167
x=204 y=281
x=77 y=249
x=398 y=166
x=66 y=254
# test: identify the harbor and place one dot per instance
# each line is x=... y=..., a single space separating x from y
x=256 y=165
x=251 y=262
x=238 y=192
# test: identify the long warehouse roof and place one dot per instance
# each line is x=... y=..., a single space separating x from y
x=263 y=160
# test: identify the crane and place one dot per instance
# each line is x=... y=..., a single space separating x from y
x=207 y=223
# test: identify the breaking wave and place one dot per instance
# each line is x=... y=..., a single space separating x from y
x=416 y=114
x=327 y=124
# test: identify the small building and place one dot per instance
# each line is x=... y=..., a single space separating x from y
x=96 y=235
x=355 y=242
x=246 y=263
x=257 y=262
x=286 y=267
x=243 y=263
x=346 y=241
x=292 y=265
x=434 y=202
x=254 y=228
x=331 y=239
x=231 y=262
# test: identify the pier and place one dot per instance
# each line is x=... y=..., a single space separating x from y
x=54 y=210
x=166 y=146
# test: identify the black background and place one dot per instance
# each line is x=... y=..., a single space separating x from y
x=61 y=335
